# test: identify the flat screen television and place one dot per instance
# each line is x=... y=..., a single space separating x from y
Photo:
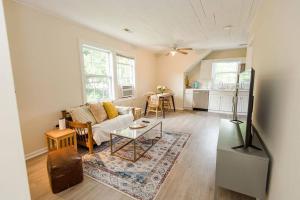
x=248 y=136
x=246 y=80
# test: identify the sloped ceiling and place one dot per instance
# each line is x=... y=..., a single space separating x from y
x=158 y=24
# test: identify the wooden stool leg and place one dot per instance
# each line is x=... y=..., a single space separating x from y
x=75 y=141
x=53 y=144
x=48 y=142
x=57 y=143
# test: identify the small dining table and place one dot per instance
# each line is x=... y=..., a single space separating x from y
x=162 y=97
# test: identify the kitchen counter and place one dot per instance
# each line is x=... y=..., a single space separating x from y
x=228 y=90
x=197 y=88
x=215 y=90
x=215 y=100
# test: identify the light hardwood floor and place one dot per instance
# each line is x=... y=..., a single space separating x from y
x=191 y=178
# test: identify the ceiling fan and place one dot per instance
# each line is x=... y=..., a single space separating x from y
x=175 y=50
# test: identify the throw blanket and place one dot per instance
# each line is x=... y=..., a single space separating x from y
x=101 y=131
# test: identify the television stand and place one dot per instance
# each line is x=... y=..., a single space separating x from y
x=243 y=170
x=251 y=138
x=250 y=146
x=236 y=121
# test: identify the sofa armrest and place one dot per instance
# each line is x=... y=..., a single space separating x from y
x=84 y=133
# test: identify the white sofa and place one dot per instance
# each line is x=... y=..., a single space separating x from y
x=89 y=132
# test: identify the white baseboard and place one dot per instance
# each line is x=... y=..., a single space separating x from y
x=36 y=153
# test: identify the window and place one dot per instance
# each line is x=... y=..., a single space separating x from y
x=97 y=73
x=225 y=74
x=102 y=71
x=125 y=71
x=245 y=79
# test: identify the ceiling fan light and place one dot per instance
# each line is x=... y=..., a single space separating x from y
x=172 y=53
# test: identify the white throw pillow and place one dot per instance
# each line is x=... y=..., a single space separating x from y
x=82 y=114
x=123 y=110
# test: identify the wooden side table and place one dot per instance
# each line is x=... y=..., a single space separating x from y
x=137 y=113
x=57 y=139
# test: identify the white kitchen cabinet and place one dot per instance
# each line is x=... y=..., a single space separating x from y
x=221 y=101
x=226 y=103
x=214 y=102
x=188 y=99
x=244 y=104
x=240 y=104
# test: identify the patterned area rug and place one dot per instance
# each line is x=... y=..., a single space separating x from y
x=142 y=179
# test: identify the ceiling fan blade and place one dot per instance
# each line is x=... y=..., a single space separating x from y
x=187 y=49
x=183 y=52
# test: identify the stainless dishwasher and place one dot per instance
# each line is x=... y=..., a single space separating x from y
x=200 y=99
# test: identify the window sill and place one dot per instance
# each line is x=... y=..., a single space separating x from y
x=125 y=99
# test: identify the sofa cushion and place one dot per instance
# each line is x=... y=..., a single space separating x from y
x=98 y=111
x=110 y=109
x=82 y=114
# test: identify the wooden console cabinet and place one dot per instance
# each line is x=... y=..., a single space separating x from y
x=241 y=170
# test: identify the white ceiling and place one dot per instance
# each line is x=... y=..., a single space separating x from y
x=157 y=24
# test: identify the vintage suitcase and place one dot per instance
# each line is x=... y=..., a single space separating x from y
x=64 y=169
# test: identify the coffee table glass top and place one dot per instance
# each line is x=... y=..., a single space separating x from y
x=135 y=133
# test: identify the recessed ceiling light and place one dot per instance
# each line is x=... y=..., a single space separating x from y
x=228 y=27
x=127 y=30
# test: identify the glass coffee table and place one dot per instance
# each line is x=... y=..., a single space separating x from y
x=134 y=136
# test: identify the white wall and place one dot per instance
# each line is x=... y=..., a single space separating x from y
x=194 y=74
x=46 y=66
x=227 y=53
x=275 y=50
x=13 y=181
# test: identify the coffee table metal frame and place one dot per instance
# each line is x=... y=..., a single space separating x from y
x=135 y=156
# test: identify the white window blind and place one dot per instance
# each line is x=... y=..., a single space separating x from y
x=97 y=73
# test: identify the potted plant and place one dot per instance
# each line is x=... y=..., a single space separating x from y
x=161 y=89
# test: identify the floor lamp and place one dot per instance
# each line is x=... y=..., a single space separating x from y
x=235 y=98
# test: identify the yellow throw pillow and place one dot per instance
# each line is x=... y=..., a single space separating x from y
x=110 y=109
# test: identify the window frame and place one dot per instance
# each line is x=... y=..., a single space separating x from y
x=115 y=94
x=134 y=73
x=84 y=75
